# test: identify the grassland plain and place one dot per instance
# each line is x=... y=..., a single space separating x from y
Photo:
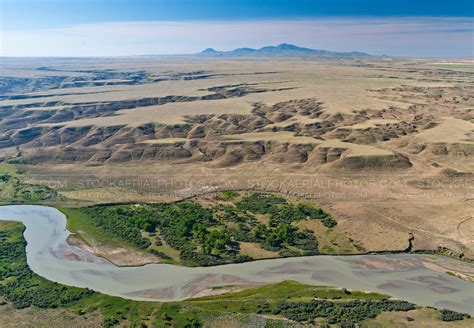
x=32 y=300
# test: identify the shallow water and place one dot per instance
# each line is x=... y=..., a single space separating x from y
x=402 y=276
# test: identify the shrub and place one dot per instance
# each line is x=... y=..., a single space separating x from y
x=260 y=203
x=448 y=315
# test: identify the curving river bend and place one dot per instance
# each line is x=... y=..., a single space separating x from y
x=404 y=276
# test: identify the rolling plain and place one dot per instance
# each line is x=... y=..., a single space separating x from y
x=362 y=155
x=386 y=145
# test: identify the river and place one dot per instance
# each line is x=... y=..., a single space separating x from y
x=404 y=276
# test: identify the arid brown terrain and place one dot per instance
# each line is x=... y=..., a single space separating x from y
x=387 y=145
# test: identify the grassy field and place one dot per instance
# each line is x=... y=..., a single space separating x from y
x=14 y=190
x=81 y=224
x=331 y=241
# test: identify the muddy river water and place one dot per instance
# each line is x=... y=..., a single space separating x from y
x=405 y=276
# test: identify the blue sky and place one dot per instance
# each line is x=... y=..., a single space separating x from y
x=134 y=27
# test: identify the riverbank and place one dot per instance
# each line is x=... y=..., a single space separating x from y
x=400 y=275
x=287 y=302
x=132 y=258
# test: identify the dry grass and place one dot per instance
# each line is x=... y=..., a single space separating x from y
x=166 y=140
x=449 y=130
x=330 y=241
x=342 y=88
x=104 y=195
x=167 y=249
x=31 y=317
x=255 y=251
x=171 y=113
x=281 y=136
x=371 y=123
x=423 y=318
x=299 y=119
x=355 y=149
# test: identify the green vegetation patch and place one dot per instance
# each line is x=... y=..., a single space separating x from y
x=448 y=315
x=285 y=304
x=14 y=190
x=204 y=236
x=227 y=195
x=303 y=303
x=19 y=285
x=281 y=211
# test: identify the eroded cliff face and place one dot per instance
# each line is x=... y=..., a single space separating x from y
x=288 y=132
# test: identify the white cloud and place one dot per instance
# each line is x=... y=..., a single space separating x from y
x=392 y=36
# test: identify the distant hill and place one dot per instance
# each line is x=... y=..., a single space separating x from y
x=282 y=50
